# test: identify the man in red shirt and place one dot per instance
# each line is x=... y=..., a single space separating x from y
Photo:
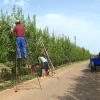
x=19 y=31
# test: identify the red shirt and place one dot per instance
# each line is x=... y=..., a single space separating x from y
x=19 y=30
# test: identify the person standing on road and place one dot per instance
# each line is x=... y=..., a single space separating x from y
x=44 y=65
x=19 y=31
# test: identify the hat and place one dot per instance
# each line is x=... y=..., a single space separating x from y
x=17 y=21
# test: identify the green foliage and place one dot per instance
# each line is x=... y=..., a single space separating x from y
x=60 y=49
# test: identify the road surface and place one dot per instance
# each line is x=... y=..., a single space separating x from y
x=73 y=82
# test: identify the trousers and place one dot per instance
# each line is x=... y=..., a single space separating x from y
x=21 y=47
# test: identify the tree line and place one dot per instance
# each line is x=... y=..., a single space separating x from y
x=60 y=49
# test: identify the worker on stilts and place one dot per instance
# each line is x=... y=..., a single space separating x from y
x=19 y=31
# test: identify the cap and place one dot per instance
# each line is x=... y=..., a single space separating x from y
x=17 y=21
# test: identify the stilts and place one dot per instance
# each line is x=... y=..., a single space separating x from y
x=16 y=75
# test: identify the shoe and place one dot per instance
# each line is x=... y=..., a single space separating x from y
x=41 y=77
x=44 y=77
x=24 y=57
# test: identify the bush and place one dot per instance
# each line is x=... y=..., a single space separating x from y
x=5 y=74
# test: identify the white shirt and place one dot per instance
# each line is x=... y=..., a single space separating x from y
x=42 y=59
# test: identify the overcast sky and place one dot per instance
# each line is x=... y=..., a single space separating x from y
x=80 y=18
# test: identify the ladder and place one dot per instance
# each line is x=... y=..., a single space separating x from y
x=52 y=68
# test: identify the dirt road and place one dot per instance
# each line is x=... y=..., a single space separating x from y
x=74 y=82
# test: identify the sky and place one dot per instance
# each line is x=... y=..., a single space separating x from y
x=71 y=18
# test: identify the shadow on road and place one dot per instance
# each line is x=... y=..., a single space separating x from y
x=87 y=87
